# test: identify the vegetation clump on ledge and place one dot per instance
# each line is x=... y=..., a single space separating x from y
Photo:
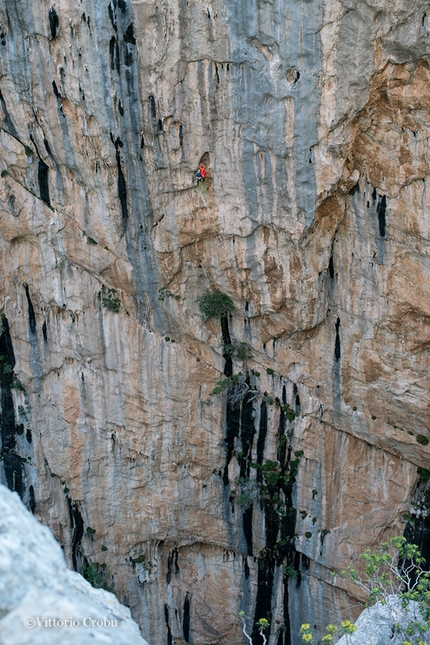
x=111 y=301
x=214 y=304
x=97 y=575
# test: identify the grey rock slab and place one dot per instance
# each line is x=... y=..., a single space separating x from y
x=41 y=601
x=375 y=624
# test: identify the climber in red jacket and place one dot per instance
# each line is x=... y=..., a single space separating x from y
x=201 y=173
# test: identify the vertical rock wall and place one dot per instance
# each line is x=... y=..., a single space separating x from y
x=312 y=118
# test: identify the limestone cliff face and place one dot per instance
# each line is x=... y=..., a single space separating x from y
x=313 y=119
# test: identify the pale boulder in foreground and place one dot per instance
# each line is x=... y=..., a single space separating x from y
x=375 y=625
x=37 y=591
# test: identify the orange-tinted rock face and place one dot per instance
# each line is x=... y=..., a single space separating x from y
x=312 y=121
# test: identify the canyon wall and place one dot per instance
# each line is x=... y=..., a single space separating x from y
x=312 y=118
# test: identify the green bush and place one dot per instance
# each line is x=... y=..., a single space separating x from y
x=422 y=440
x=214 y=304
x=111 y=301
x=164 y=293
x=241 y=351
x=423 y=473
x=17 y=385
x=224 y=383
x=274 y=479
x=97 y=575
x=288 y=571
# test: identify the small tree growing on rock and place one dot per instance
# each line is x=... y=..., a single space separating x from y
x=97 y=575
x=214 y=304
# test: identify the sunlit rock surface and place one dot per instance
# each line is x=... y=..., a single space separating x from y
x=376 y=624
x=312 y=118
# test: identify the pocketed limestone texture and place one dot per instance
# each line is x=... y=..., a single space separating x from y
x=313 y=119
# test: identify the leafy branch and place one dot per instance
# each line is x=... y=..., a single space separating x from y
x=398 y=568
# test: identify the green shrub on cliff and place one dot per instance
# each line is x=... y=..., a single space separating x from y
x=97 y=575
x=111 y=301
x=241 y=351
x=214 y=304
